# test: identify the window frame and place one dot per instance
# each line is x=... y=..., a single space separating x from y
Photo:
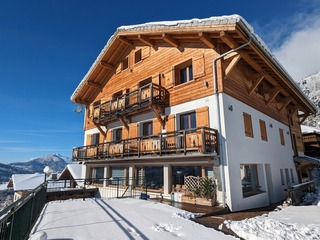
x=282 y=177
x=138 y=56
x=125 y=63
x=188 y=67
x=149 y=127
x=246 y=191
x=191 y=118
x=117 y=135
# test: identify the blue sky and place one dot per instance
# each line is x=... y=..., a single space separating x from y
x=47 y=46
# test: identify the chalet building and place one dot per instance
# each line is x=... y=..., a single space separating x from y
x=200 y=97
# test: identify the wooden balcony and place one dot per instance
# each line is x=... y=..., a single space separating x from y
x=136 y=101
x=196 y=141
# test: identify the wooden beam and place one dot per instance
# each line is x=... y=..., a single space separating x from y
x=170 y=40
x=231 y=55
x=145 y=40
x=93 y=84
x=273 y=93
x=257 y=67
x=227 y=39
x=156 y=112
x=107 y=65
x=255 y=83
x=124 y=123
x=302 y=118
x=293 y=110
x=125 y=40
x=204 y=37
x=104 y=133
x=232 y=64
x=81 y=101
x=285 y=103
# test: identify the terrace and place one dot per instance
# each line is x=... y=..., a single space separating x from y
x=149 y=96
x=195 y=141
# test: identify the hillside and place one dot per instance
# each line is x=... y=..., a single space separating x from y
x=55 y=161
x=311 y=87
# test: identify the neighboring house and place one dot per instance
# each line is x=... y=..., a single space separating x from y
x=305 y=165
x=72 y=175
x=201 y=97
x=24 y=183
x=71 y=172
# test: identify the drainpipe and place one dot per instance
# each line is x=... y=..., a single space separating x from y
x=216 y=92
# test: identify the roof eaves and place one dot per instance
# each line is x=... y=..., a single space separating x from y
x=260 y=43
x=93 y=66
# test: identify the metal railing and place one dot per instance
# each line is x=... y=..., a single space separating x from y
x=201 y=140
x=17 y=220
x=130 y=103
x=110 y=187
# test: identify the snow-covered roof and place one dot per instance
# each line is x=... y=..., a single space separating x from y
x=192 y=23
x=308 y=129
x=22 y=182
x=74 y=169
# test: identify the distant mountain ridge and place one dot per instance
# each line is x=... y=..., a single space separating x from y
x=55 y=161
x=311 y=88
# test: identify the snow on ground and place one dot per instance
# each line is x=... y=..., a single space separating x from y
x=140 y=219
x=293 y=222
x=118 y=219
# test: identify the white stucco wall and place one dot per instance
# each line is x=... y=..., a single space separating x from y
x=270 y=156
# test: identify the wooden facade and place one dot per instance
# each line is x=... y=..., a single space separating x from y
x=152 y=69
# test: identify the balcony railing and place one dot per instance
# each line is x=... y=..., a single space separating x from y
x=201 y=140
x=130 y=103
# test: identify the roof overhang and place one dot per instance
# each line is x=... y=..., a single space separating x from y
x=233 y=29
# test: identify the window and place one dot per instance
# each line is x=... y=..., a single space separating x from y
x=247 y=125
x=281 y=136
x=282 y=177
x=117 y=135
x=286 y=171
x=178 y=173
x=249 y=180
x=125 y=63
x=145 y=82
x=147 y=129
x=138 y=56
x=263 y=130
x=291 y=172
x=184 y=72
x=188 y=121
x=98 y=172
x=153 y=176
x=95 y=139
x=117 y=94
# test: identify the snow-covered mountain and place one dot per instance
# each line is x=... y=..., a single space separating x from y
x=311 y=87
x=55 y=161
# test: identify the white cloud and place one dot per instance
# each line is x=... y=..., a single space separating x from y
x=300 y=52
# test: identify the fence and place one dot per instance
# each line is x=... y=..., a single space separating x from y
x=296 y=192
x=17 y=220
x=95 y=187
